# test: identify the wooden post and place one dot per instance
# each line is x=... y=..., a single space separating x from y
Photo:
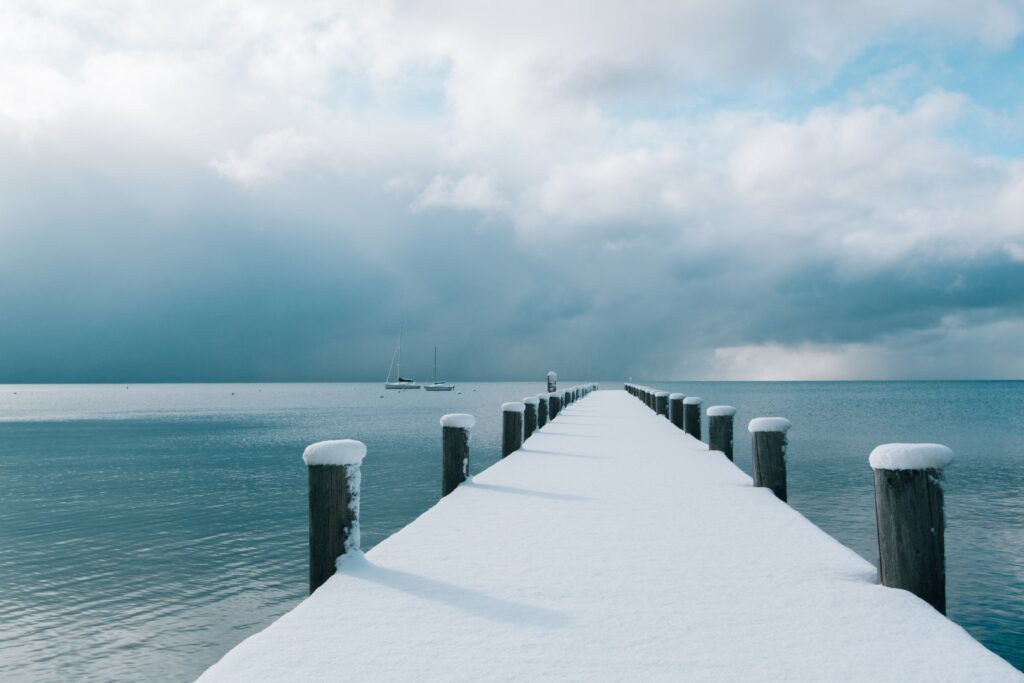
x=720 y=429
x=542 y=410
x=691 y=416
x=552 y=381
x=455 y=432
x=566 y=399
x=511 y=427
x=661 y=403
x=529 y=416
x=554 y=405
x=334 y=478
x=675 y=409
x=769 y=453
x=910 y=518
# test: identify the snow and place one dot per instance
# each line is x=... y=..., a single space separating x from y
x=531 y=401
x=676 y=397
x=910 y=456
x=552 y=565
x=693 y=401
x=552 y=375
x=769 y=424
x=338 y=452
x=513 y=407
x=721 y=411
x=660 y=394
x=460 y=420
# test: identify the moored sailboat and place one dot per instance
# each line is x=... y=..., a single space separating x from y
x=438 y=386
x=401 y=382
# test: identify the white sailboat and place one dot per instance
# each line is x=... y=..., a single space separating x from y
x=396 y=358
x=438 y=386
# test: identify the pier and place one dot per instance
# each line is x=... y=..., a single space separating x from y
x=613 y=544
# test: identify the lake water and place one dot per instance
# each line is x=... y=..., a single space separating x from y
x=145 y=530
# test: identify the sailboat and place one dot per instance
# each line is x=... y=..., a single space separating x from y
x=438 y=386
x=401 y=383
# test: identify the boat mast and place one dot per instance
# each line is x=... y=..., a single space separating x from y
x=399 y=354
x=435 y=364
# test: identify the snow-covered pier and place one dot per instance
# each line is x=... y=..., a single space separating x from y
x=610 y=546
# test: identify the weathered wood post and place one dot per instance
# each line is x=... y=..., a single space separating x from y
x=566 y=399
x=910 y=519
x=334 y=479
x=769 y=453
x=542 y=410
x=675 y=409
x=691 y=415
x=529 y=416
x=455 y=433
x=552 y=381
x=720 y=429
x=661 y=403
x=554 y=405
x=511 y=427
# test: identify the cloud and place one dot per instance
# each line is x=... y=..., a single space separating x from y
x=683 y=188
x=956 y=348
x=472 y=191
x=266 y=158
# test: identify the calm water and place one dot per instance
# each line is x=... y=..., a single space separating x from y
x=146 y=530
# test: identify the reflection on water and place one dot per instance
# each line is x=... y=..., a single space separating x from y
x=146 y=530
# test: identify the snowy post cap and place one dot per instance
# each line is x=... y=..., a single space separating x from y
x=676 y=397
x=692 y=401
x=339 y=452
x=659 y=394
x=544 y=396
x=459 y=420
x=910 y=456
x=721 y=411
x=531 y=400
x=513 y=407
x=552 y=375
x=769 y=424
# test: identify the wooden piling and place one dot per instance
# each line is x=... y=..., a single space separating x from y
x=768 y=435
x=554 y=406
x=334 y=479
x=910 y=519
x=542 y=410
x=675 y=409
x=455 y=433
x=529 y=416
x=511 y=427
x=552 y=381
x=720 y=429
x=661 y=403
x=691 y=416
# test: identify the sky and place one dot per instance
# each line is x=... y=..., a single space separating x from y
x=693 y=189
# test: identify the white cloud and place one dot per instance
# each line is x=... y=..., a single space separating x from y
x=956 y=348
x=473 y=191
x=266 y=158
